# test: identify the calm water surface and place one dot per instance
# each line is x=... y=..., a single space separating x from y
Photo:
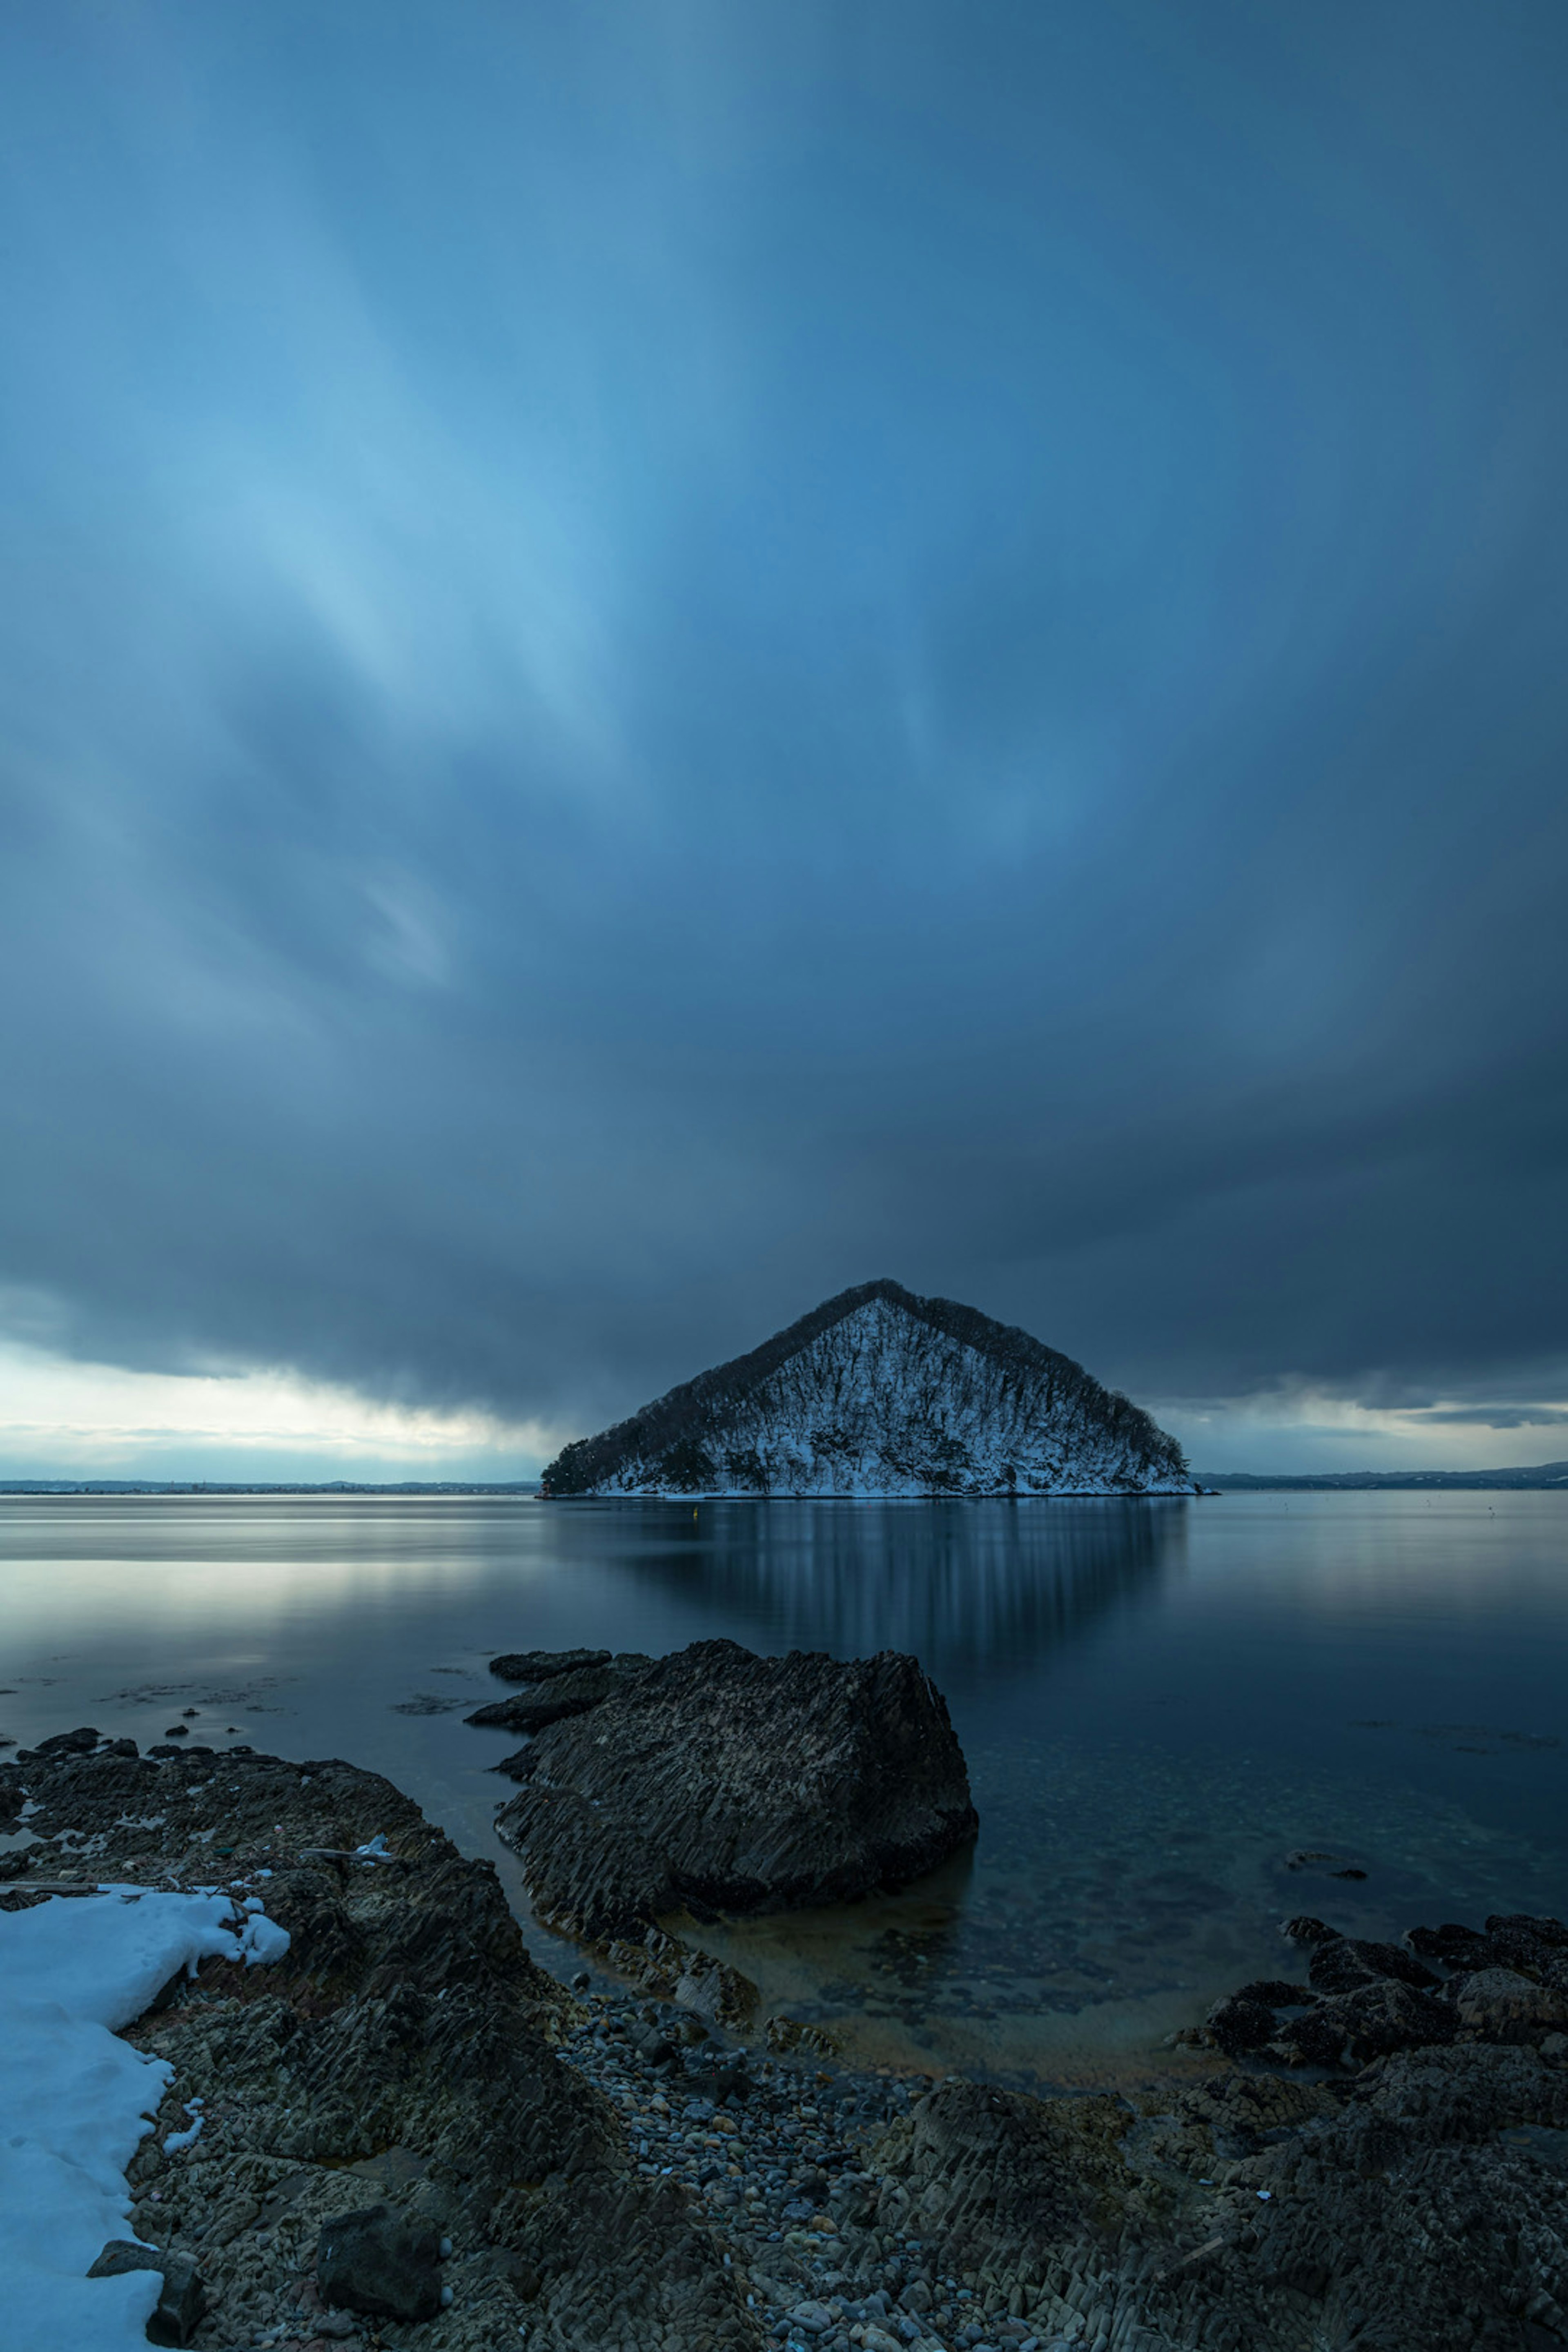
x=1161 y=1702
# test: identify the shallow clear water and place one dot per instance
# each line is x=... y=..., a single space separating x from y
x=1160 y=1701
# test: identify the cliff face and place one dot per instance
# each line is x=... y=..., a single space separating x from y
x=881 y=1393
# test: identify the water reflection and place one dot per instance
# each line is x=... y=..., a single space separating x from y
x=1159 y=1701
x=962 y=1585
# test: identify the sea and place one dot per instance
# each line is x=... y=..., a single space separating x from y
x=1185 y=1720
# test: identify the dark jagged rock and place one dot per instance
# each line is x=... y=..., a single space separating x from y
x=1375 y=2018
x=1317 y=2037
x=378 y=2262
x=80 y=1742
x=550 y=1699
x=879 y=1391
x=542 y=1665
x=1345 y=1963
x=1506 y=1982
x=988 y=2170
x=1307 y=1931
x=1250 y=2214
x=1502 y=2005
x=405 y=2050
x=1238 y=2024
x=1452 y=1947
x=715 y=1780
x=182 y=2297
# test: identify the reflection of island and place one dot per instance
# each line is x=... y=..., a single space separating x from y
x=958 y=1583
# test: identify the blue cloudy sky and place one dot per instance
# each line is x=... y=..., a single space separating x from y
x=657 y=657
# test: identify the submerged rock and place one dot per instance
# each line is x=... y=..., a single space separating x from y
x=716 y=1780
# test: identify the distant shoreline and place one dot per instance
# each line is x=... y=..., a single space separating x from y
x=1543 y=1477
x=526 y=1490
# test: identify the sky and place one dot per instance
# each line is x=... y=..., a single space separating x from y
x=654 y=658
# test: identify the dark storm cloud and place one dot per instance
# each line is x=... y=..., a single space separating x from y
x=658 y=659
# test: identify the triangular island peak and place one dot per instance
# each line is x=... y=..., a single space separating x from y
x=879 y=1393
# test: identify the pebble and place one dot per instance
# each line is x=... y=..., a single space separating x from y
x=765 y=2146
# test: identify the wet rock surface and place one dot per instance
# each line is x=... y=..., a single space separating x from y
x=564 y=1689
x=714 y=1780
x=1507 y=1982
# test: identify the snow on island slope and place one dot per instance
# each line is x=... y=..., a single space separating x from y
x=879 y=1393
x=74 y=2099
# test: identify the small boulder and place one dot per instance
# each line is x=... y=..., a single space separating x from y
x=1317 y=2039
x=1451 y=1945
x=1500 y=2005
x=1386 y=2015
x=1306 y=1930
x=1377 y=2017
x=80 y=1742
x=1515 y=1940
x=182 y=2298
x=1345 y=1963
x=379 y=2262
x=1276 y=1992
x=1239 y=2025
x=654 y=2048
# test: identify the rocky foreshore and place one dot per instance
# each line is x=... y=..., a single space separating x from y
x=405 y=2105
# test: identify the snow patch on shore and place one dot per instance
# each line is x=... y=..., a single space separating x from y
x=74 y=2099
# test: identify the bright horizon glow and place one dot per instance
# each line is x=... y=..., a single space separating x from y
x=1296 y=1432
x=60 y=1418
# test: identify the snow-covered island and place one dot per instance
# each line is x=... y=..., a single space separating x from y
x=879 y=1393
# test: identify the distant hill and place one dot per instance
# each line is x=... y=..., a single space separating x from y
x=1545 y=1473
x=881 y=1393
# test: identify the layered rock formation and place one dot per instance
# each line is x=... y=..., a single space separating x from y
x=403 y=2053
x=716 y=1780
x=1421 y=2208
x=879 y=1392
x=403 y=2104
